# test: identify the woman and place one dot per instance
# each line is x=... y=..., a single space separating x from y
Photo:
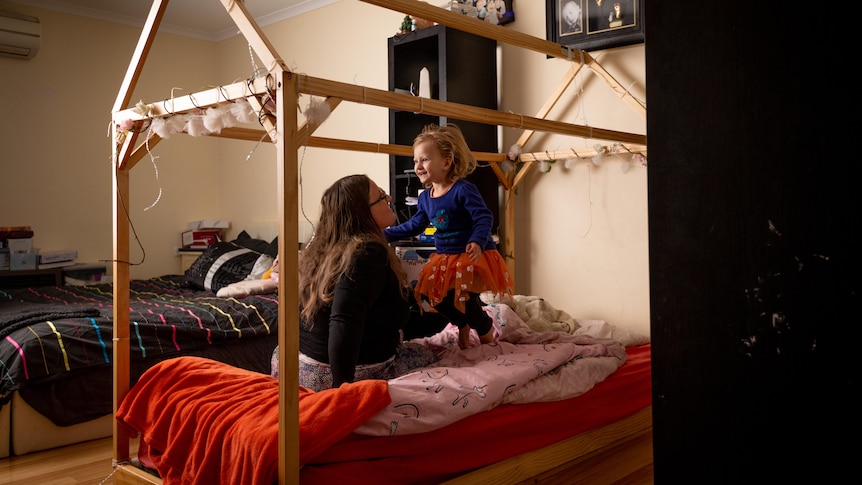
x=353 y=293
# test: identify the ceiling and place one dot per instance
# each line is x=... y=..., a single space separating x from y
x=202 y=19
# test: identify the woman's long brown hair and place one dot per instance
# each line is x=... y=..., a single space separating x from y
x=346 y=226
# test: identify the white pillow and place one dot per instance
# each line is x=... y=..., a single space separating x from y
x=261 y=266
x=242 y=289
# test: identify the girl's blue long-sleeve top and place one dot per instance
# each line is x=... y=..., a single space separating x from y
x=460 y=217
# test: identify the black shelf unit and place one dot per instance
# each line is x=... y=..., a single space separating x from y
x=462 y=69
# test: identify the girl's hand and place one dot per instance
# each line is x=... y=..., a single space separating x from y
x=474 y=251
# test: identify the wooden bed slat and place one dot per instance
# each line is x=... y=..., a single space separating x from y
x=418 y=104
x=157 y=11
x=569 y=451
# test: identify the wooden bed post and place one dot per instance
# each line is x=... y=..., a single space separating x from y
x=121 y=150
x=286 y=93
x=120 y=265
x=288 y=287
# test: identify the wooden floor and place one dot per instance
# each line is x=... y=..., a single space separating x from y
x=89 y=463
x=86 y=463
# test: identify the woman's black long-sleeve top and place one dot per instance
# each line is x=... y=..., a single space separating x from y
x=362 y=324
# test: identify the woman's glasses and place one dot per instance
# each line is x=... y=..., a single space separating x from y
x=383 y=196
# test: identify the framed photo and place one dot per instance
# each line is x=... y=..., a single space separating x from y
x=595 y=24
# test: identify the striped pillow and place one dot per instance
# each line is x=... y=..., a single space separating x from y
x=222 y=264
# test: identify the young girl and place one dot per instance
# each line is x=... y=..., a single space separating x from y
x=466 y=261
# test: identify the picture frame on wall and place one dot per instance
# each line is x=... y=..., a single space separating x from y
x=595 y=24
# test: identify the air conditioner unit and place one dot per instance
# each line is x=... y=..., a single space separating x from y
x=20 y=35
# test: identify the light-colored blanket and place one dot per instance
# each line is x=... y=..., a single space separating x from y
x=522 y=366
x=541 y=316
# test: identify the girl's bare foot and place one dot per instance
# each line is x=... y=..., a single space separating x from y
x=488 y=338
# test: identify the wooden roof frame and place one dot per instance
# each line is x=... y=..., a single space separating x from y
x=281 y=124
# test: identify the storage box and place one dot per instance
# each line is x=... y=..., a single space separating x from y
x=57 y=256
x=85 y=274
x=22 y=261
x=412 y=260
x=22 y=245
x=200 y=238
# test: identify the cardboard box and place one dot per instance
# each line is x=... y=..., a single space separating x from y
x=57 y=256
x=412 y=260
x=20 y=245
x=85 y=274
x=22 y=261
x=201 y=238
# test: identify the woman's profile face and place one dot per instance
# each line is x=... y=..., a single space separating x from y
x=378 y=204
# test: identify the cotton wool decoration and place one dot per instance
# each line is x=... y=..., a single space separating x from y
x=626 y=166
x=600 y=154
x=514 y=152
x=243 y=112
x=177 y=124
x=228 y=117
x=317 y=112
x=160 y=127
x=166 y=126
x=213 y=120
x=125 y=124
x=195 y=126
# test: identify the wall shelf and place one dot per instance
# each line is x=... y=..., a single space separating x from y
x=462 y=68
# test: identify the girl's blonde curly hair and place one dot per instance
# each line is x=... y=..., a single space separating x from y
x=451 y=143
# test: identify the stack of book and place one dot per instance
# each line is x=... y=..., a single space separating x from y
x=57 y=259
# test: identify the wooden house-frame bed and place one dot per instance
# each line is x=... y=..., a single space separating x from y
x=617 y=449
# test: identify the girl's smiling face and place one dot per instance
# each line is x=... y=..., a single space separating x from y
x=429 y=164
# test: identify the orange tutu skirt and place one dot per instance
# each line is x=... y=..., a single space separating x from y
x=444 y=272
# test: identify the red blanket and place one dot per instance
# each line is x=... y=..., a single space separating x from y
x=208 y=422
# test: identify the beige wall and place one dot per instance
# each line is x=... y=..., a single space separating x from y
x=581 y=233
x=55 y=158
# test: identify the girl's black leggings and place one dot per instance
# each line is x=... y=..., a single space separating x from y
x=473 y=315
